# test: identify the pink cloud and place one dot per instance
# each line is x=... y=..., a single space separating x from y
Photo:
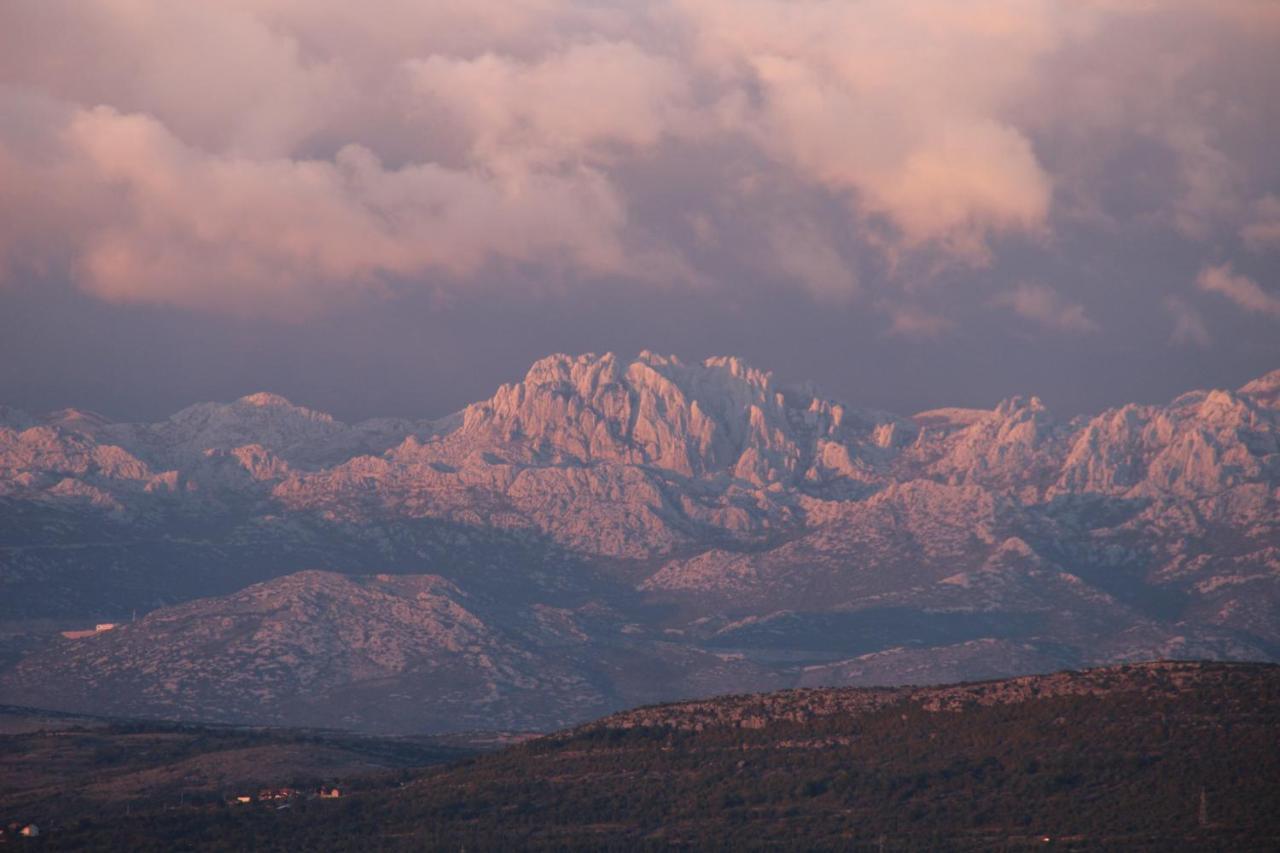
x=1188 y=326
x=191 y=228
x=279 y=154
x=803 y=252
x=1043 y=305
x=898 y=104
x=568 y=106
x=1242 y=290
x=912 y=322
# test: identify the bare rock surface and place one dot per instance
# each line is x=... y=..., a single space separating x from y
x=674 y=527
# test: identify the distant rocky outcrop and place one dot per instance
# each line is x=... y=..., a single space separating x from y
x=1155 y=681
x=702 y=521
x=391 y=652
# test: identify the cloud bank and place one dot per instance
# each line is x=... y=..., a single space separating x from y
x=281 y=157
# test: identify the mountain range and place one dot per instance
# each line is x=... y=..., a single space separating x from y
x=608 y=532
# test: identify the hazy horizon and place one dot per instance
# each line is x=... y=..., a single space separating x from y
x=392 y=211
x=344 y=413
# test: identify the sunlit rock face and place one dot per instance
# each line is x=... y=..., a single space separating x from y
x=693 y=527
x=721 y=417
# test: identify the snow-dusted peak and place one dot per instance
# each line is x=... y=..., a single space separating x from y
x=738 y=368
x=718 y=417
x=1201 y=443
x=1016 y=443
x=654 y=359
x=1017 y=405
x=720 y=420
x=296 y=433
x=559 y=367
x=267 y=399
x=78 y=420
x=951 y=418
x=261 y=406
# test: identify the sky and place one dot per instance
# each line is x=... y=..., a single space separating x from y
x=391 y=207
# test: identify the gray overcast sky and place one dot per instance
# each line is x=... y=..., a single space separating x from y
x=391 y=209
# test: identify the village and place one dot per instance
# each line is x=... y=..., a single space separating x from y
x=281 y=798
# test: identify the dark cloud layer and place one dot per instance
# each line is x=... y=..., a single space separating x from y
x=392 y=208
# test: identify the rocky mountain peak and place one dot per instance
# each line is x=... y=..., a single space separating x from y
x=738 y=368
x=79 y=421
x=243 y=414
x=296 y=433
x=267 y=399
x=562 y=509
x=1020 y=406
x=718 y=417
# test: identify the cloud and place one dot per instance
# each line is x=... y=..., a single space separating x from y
x=1262 y=232
x=282 y=156
x=1149 y=115
x=915 y=323
x=1242 y=290
x=169 y=223
x=803 y=252
x=1188 y=326
x=1043 y=305
x=564 y=108
x=215 y=75
x=897 y=104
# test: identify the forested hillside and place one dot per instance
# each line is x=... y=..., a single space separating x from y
x=1164 y=756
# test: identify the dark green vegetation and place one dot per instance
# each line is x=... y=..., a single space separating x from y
x=1106 y=759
